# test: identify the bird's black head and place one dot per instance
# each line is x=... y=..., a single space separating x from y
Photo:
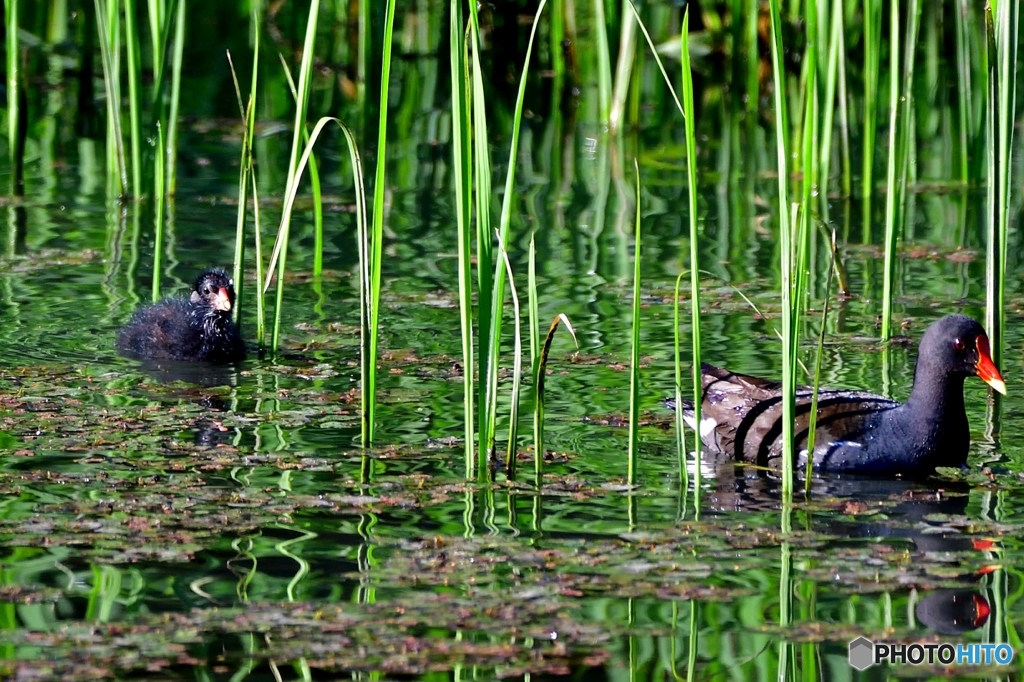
x=214 y=291
x=956 y=345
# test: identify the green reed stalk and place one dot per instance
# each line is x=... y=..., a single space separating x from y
x=246 y=176
x=872 y=60
x=490 y=406
x=963 y=90
x=462 y=180
x=314 y=183
x=809 y=159
x=249 y=171
x=689 y=126
x=489 y=341
x=158 y=218
x=753 y=59
x=556 y=35
x=899 y=141
x=157 y=14
x=280 y=256
x=134 y=96
x=790 y=307
x=177 y=57
x=809 y=141
x=13 y=92
x=517 y=371
x=634 y=363
x=249 y=138
x=377 y=237
x=677 y=344
x=905 y=132
x=812 y=423
x=829 y=104
x=533 y=309
x=1003 y=34
x=623 y=68
x=604 y=63
x=261 y=319
x=109 y=35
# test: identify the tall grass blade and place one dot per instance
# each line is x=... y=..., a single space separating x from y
x=684 y=476
x=790 y=312
x=533 y=309
x=899 y=143
x=489 y=341
x=1002 y=41
x=963 y=89
x=314 y=184
x=177 y=58
x=107 y=29
x=497 y=298
x=623 y=70
x=517 y=370
x=279 y=258
x=134 y=97
x=377 y=237
x=604 y=62
x=250 y=136
x=872 y=59
x=690 y=131
x=634 y=364
x=247 y=169
x=829 y=103
x=13 y=93
x=812 y=423
x=158 y=218
x=462 y=180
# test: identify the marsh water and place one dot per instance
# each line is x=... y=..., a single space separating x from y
x=181 y=523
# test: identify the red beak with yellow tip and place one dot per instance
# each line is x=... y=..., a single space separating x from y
x=986 y=369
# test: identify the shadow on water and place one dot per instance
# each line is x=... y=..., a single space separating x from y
x=204 y=374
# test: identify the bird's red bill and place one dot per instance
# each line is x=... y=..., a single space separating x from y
x=986 y=369
x=223 y=302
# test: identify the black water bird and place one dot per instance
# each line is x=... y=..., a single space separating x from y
x=857 y=432
x=198 y=328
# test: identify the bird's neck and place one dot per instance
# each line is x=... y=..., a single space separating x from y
x=936 y=395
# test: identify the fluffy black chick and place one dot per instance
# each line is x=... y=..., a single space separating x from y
x=198 y=328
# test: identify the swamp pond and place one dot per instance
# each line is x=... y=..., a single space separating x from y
x=163 y=523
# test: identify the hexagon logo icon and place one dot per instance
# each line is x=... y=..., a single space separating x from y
x=862 y=653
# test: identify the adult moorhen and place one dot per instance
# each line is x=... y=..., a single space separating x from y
x=198 y=328
x=857 y=432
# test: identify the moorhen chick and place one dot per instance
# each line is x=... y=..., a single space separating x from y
x=198 y=328
x=857 y=432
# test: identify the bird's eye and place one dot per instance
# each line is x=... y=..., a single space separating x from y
x=959 y=344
